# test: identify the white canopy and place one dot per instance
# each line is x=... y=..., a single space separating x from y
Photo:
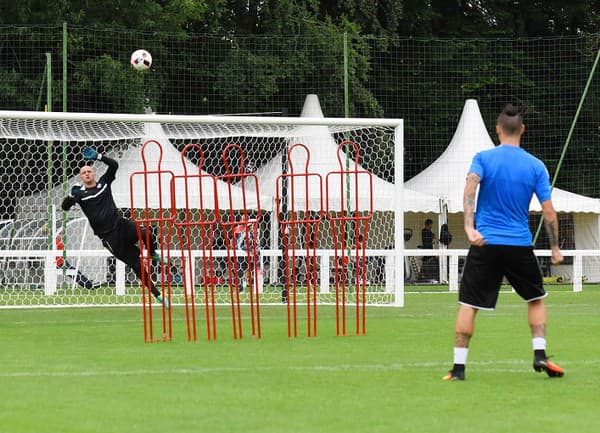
x=445 y=177
x=323 y=160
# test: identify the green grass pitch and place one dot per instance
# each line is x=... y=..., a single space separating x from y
x=88 y=370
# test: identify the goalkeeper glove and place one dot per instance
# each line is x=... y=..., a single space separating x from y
x=75 y=190
x=90 y=153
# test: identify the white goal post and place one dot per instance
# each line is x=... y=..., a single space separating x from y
x=53 y=143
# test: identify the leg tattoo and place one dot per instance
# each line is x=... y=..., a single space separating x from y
x=461 y=339
x=538 y=330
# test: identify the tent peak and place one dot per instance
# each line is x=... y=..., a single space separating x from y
x=312 y=107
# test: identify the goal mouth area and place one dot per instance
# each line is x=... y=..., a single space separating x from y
x=263 y=146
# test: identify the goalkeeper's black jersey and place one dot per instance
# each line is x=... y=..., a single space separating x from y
x=97 y=203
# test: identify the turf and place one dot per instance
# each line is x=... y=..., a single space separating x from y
x=88 y=370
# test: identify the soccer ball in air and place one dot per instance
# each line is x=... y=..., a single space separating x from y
x=141 y=60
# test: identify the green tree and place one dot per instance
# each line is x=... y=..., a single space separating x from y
x=146 y=15
x=308 y=57
x=377 y=18
x=543 y=18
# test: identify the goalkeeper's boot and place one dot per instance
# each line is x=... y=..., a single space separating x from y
x=551 y=369
x=455 y=375
x=158 y=259
x=165 y=301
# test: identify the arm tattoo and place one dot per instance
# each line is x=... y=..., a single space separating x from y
x=552 y=231
x=469 y=218
x=469 y=199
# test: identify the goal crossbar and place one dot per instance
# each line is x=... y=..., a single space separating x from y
x=209 y=119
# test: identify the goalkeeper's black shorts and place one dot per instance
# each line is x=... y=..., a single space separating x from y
x=487 y=265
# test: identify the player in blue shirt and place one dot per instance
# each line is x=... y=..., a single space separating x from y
x=501 y=242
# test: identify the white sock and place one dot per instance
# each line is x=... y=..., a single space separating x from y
x=539 y=343
x=460 y=355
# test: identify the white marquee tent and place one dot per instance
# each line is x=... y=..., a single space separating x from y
x=323 y=160
x=445 y=179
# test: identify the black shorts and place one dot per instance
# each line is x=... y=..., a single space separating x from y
x=484 y=268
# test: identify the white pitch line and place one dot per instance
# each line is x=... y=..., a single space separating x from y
x=316 y=368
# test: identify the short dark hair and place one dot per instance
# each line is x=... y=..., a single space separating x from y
x=428 y=221
x=510 y=120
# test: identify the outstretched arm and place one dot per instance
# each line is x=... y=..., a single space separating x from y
x=551 y=226
x=112 y=166
x=91 y=153
x=473 y=235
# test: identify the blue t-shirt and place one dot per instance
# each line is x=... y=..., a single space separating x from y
x=509 y=178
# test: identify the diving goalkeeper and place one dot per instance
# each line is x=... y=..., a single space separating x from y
x=118 y=235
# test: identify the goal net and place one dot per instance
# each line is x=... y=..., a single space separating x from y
x=51 y=257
